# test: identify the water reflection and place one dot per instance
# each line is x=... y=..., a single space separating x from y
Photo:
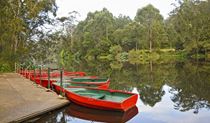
x=76 y=113
x=170 y=92
x=99 y=115
x=165 y=112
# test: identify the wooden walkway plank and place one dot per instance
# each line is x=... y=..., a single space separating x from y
x=21 y=100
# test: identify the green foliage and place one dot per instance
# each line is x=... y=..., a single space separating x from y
x=115 y=49
x=5 y=67
x=21 y=21
x=148 y=14
x=136 y=56
x=94 y=34
x=129 y=36
x=192 y=26
x=123 y=56
x=100 y=30
x=101 y=35
x=160 y=56
x=116 y=65
x=121 y=21
x=155 y=34
x=116 y=53
x=148 y=32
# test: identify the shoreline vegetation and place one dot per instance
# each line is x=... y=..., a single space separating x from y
x=34 y=34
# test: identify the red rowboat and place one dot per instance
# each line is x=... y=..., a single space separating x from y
x=44 y=80
x=102 y=98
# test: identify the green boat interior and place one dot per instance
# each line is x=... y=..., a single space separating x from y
x=88 y=79
x=67 y=84
x=100 y=94
x=69 y=79
x=57 y=78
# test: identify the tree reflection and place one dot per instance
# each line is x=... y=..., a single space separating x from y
x=187 y=101
x=153 y=77
x=191 y=88
x=150 y=95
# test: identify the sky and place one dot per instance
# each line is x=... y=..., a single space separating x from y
x=116 y=7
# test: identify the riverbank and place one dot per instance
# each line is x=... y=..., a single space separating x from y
x=157 y=56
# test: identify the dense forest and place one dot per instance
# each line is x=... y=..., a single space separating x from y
x=30 y=31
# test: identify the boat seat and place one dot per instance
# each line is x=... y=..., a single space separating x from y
x=100 y=96
x=95 y=96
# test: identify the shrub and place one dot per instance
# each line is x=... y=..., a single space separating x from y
x=5 y=67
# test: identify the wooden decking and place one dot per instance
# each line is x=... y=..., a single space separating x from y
x=21 y=100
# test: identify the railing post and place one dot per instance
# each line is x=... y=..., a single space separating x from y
x=61 y=82
x=18 y=69
x=25 y=72
x=35 y=74
x=15 y=68
x=28 y=73
x=21 y=70
x=40 y=75
x=48 y=78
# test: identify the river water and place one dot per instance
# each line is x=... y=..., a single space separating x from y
x=169 y=93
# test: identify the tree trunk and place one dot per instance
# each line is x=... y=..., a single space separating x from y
x=151 y=71
x=136 y=46
x=150 y=41
x=150 y=45
x=15 y=47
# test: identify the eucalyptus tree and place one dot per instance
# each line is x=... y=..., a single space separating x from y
x=172 y=35
x=121 y=21
x=191 y=21
x=153 y=24
x=130 y=36
x=92 y=36
x=21 y=23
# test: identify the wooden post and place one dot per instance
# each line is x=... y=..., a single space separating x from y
x=15 y=68
x=35 y=75
x=25 y=72
x=22 y=71
x=40 y=75
x=29 y=74
x=48 y=78
x=18 y=69
x=61 y=82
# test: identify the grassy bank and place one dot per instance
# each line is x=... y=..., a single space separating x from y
x=145 y=56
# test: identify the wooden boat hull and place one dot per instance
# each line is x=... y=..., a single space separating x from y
x=100 y=115
x=98 y=103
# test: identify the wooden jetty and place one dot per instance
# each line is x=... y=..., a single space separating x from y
x=21 y=100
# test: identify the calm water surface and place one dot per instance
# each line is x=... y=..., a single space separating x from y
x=169 y=93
